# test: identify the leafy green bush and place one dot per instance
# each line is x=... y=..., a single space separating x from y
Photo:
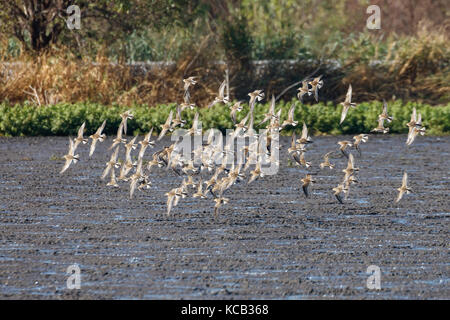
x=65 y=119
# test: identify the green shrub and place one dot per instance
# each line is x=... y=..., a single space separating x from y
x=65 y=119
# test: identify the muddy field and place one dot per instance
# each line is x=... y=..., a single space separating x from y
x=268 y=243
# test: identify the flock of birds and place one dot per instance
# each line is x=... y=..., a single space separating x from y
x=227 y=168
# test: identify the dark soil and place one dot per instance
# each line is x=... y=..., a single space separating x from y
x=269 y=242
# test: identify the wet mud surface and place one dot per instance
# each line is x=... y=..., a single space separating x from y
x=269 y=242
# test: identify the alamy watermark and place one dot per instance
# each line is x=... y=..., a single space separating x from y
x=234 y=149
x=74 y=19
x=374 y=280
x=74 y=280
x=374 y=20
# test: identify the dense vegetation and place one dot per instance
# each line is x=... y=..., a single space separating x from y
x=408 y=58
x=65 y=119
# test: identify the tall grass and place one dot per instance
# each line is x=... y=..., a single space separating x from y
x=59 y=76
x=409 y=68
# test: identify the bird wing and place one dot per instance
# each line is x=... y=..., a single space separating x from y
x=120 y=131
x=413 y=115
x=350 y=163
x=296 y=158
x=200 y=186
x=187 y=97
x=81 y=130
x=216 y=210
x=100 y=129
x=176 y=199
x=91 y=151
x=113 y=180
x=272 y=106
x=316 y=93
x=266 y=118
x=186 y=85
x=123 y=170
x=169 y=203
x=412 y=135
x=115 y=154
x=222 y=89
x=400 y=195
x=419 y=119
x=169 y=118
x=148 y=135
x=66 y=165
x=405 y=179
x=305 y=85
x=233 y=115
x=279 y=114
x=304 y=131
x=254 y=175
x=195 y=121
x=293 y=138
x=344 y=114
x=385 y=106
x=327 y=155
x=250 y=124
x=252 y=101
x=188 y=82
x=71 y=146
x=348 y=96
x=305 y=190
x=139 y=167
x=133 y=140
x=178 y=115
x=291 y=112
x=124 y=121
x=339 y=198
x=213 y=103
x=162 y=133
x=106 y=171
x=244 y=121
x=132 y=186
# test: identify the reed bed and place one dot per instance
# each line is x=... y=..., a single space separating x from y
x=411 y=68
